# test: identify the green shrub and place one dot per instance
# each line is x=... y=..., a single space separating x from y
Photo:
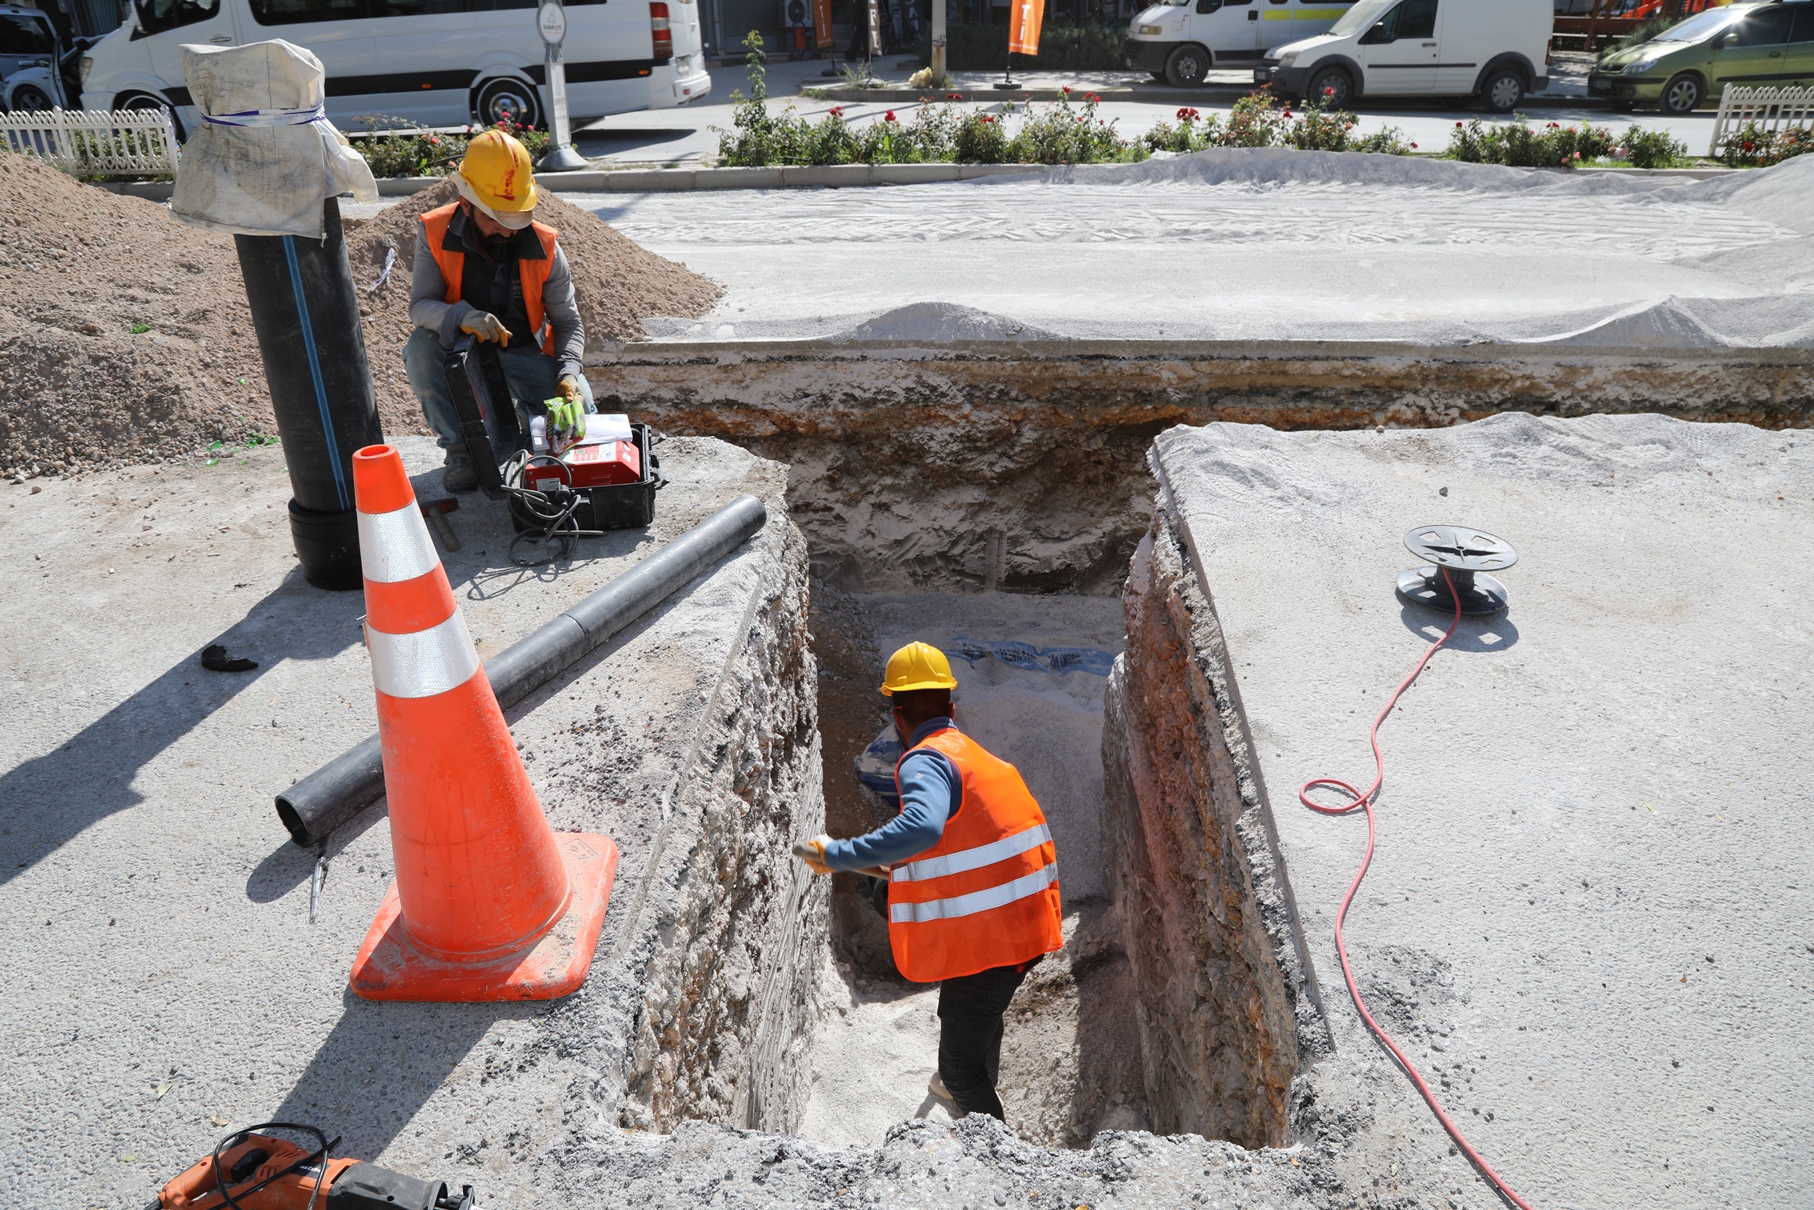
x=1653 y=149
x=1751 y=146
x=1389 y=140
x=1517 y=145
x=396 y=147
x=1192 y=133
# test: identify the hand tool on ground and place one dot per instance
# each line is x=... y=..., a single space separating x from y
x=252 y=1171
x=435 y=513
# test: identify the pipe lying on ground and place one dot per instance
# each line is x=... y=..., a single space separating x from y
x=313 y=807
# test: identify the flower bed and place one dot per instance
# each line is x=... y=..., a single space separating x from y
x=396 y=147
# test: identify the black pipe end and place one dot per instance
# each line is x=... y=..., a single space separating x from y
x=328 y=546
x=292 y=822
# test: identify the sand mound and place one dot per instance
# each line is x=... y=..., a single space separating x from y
x=81 y=269
x=617 y=282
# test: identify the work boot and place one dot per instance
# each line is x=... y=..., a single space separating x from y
x=936 y=1086
x=458 y=474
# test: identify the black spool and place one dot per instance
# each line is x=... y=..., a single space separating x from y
x=1467 y=555
x=305 y=310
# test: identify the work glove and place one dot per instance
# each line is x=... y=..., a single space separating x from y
x=566 y=413
x=569 y=389
x=486 y=326
x=812 y=852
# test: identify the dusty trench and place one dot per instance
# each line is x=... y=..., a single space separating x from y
x=1005 y=536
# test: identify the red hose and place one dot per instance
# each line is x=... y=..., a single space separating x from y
x=1364 y=802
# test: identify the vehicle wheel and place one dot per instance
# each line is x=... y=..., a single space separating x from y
x=31 y=99
x=1332 y=88
x=1502 y=89
x=141 y=101
x=1186 y=67
x=507 y=99
x=1682 y=94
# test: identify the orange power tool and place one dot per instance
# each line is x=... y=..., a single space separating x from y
x=251 y=1171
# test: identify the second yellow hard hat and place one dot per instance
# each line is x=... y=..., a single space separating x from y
x=918 y=666
x=497 y=175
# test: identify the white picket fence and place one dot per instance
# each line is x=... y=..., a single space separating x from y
x=123 y=142
x=1772 y=109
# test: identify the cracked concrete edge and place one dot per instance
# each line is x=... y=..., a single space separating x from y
x=1258 y=828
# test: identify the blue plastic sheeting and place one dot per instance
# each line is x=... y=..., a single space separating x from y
x=1028 y=658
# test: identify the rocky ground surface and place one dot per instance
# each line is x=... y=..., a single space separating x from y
x=167 y=980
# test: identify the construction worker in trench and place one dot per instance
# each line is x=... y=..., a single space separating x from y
x=485 y=267
x=972 y=890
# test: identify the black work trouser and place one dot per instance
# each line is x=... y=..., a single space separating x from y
x=970 y=1028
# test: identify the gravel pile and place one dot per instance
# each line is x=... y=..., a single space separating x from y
x=125 y=335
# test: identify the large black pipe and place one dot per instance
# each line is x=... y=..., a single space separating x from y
x=306 y=312
x=340 y=789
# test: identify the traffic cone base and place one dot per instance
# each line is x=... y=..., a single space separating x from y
x=390 y=967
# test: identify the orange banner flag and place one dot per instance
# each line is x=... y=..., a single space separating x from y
x=1023 y=26
x=822 y=23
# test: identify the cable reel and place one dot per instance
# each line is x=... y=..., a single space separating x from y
x=1467 y=555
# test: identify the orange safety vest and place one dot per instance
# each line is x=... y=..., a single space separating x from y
x=986 y=894
x=535 y=272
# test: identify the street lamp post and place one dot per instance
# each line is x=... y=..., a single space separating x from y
x=551 y=23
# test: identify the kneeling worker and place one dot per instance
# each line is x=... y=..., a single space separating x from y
x=485 y=267
x=973 y=890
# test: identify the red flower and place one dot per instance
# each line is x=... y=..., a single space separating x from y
x=1458 y=126
x=1330 y=91
x=1091 y=97
x=954 y=96
x=837 y=111
x=1066 y=90
x=889 y=116
x=1414 y=147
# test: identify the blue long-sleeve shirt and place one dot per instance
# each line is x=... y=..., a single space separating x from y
x=931 y=793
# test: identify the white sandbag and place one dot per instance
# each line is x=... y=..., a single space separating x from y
x=265 y=156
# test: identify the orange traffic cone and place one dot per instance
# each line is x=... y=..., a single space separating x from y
x=489 y=903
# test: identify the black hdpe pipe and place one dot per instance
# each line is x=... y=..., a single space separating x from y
x=313 y=807
x=306 y=312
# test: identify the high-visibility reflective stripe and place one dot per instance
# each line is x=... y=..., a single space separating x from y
x=424 y=663
x=975 y=901
x=395 y=546
x=974 y=859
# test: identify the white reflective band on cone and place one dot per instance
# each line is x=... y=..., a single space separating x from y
x=974 y=859
x=424 y=663
x=975 y=901
x=394 y=546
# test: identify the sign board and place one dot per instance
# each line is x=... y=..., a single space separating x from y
x=551 y=23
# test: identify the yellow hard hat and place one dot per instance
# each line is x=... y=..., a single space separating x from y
x=918 y=666
x=497 y=175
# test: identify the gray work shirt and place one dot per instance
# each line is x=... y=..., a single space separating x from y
x=427 y=309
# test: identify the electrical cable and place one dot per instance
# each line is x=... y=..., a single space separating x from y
x=543 y=515
x=1364 y=802
x=316 y=1157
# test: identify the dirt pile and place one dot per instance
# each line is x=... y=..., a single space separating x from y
x=616 y=280
x=125 y=335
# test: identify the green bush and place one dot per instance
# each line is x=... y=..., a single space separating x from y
x=1061 y=48
x=1751 y=146
x=396 y=147
x=1517 y=145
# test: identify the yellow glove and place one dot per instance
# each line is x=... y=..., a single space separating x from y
x=569 y=390
x=812 y=852
x=486 y=326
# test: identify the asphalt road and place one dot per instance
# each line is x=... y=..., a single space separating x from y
x=686 y=135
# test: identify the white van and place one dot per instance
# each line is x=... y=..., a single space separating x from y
x=1496 y=50
x=1178 y=41
x=429 y=62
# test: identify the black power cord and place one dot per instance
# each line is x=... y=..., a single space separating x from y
x=545 y=515
x=319 y=1157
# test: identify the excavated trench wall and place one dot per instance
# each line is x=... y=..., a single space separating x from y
x=1021 y=466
